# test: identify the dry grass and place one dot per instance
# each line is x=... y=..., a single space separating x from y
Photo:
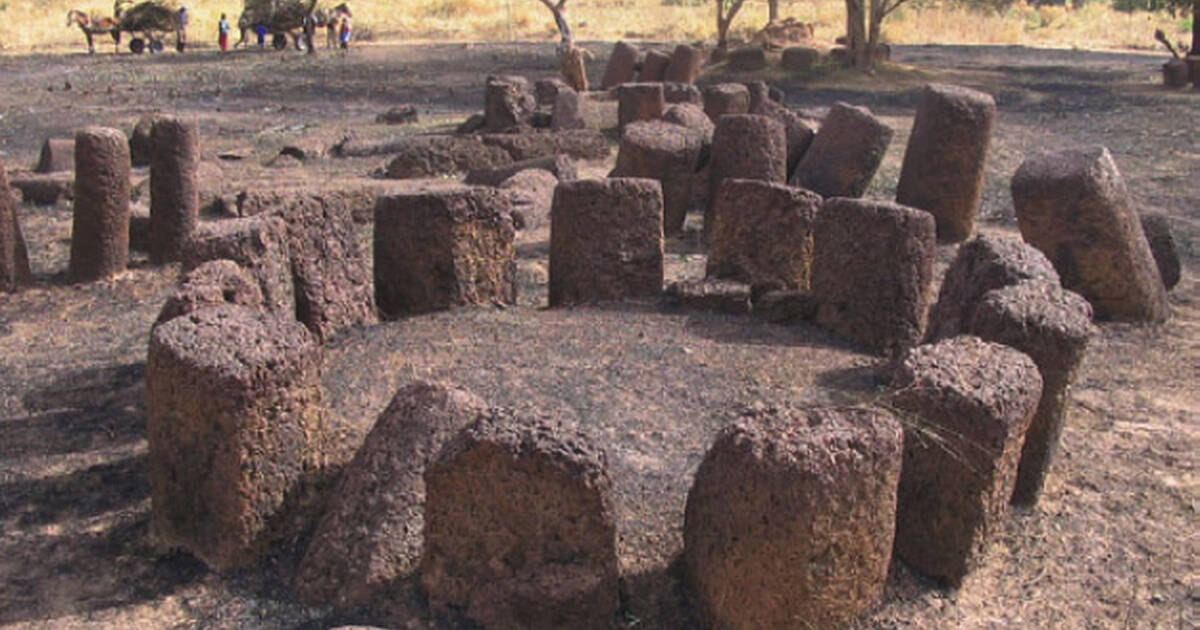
x=39 y=25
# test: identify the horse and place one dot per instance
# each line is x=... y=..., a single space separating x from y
x=94 y=25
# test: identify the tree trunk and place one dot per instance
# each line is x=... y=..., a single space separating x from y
x=865 y=59
x=772 y=10
x=856 y=36
x=1195 y=27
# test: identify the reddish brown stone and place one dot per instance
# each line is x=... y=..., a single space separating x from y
x=800 y=129
x=622 y=64
x=435 y=156
x=1053 y=326
x=531 y=193
x=44 y=190
x=872 y=271
x=370 y=537
x=668 y=153
x=982 y=264
x=14 y=258
x=260 y=245
x=214 y=283
x=746 y=59
x=693 y=117
x=520 y=528
x=546 y=91
x=1175 y=73
x=785 y=306
x=763 y=234
x=654 y=66
x=139 y=228
x=606 y=240
x=578 y=144
x=943 y=163
x=639 y=101
x=141 y=146
x=57 y=155
x=682 y=93
x=174 y=187
x=799 y=58
x=399 y=115
x=568 y=111
x=745 y=146
x=508 y=102
x=1073 y=205
x=790 y=521
x=726 y=98
x=1163 y=247
x=100 y=226
x=845 y=154
x=968 y=403
x=235 y=423
x=712 y=294
x=438 y=250
x=684 y=65
x=560 y=166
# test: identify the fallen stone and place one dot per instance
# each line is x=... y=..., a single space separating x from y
x=508 y=102
x=711 y=294
x=785 y=306
x=560 y=166
x=57 y=155
x=399 y=115
x=44 y=190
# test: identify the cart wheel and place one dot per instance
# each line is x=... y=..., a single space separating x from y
x=156 y=46
x=137 y=45
x=279 y=41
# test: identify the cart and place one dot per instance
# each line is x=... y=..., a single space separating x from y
x=149 y=23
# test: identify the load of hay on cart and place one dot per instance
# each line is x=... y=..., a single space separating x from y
x=284 y=19
x=149 y=23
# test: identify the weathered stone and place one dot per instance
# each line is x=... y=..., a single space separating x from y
x=800 y=130
x=507 y=103
x=622 y=64
x=745 y=146
x=790 y=520
x=785 y=306
x=399 y=115
x=693 y=117
x=1175 y=73
x=260 y=245
x=57 y=155
x=982 y=264
x=520 y=528
x=845 y=153
x=1163 y=247
x=606 y=240
x=560 y=166
x=577 y=144
x=174 y=187
x=546 y=91
x=438 y=250
x=639 y=101
x=668 y=153
x=762 y=234
x=712 y=294
x=472 y=124
x=654 y=66
x=840 y=55
x=726 y=98
x=434 y=156
x=1053 y=326
x=568 y=111
x=872 y=271
x=684 y=65
x=969 y=404
x=943 y=163
x=746 y=59
x=531 y=194
x=674 y=93
x=141 y=145
x=799 y=58
x=14 y=257
x=214 y=283
x=44 y=190
x=235 y=424
x=1073 y=205
x=100 y=225
x=139 y=228
x=370 y=537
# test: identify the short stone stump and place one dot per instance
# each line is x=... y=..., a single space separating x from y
x=213 y=283
x=799 y=58
x=259 y=245
x=639 y=101
x=845 y=153
x=745 y=146
x=746 y=59
x=763 y=234
x=57 y=155
x=726 y=98
x=531 y=195
x=666 y=152
x=693 y=117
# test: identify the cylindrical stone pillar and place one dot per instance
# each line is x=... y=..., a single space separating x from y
x=654 y=66
x=684 y=65
x=100 y=230
x=174 y=187
x=726 y=98
x=622 y=65
x=943 y=164
x=745 y=146
x=639 y=101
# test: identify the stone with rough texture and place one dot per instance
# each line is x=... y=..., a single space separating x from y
x=799 y=58
x=785 y=306
x=968 y=403
x=520 y=528
x=674 y=93
x=622 y=64
x=260 y=245
x=1073 y=205
x=654 y=66
x=57 y=155
x=639 y=101
x=14 y=257
x=560 y=166
x=746 y=59
x=943 y=165
x=872 y=271
x=531 y=193
x=235 y=425
x=567 y=112
x=44 y=189
x=1053 y=326
x=545 y=91
x=712 y=294
x=982 y=264
x=1163 y=247
x=577 y=144
x=606 y=240
x=800 y=129
x=437 y=250
x=174 y=187
x=507 y=103
x=745 y=146
x=100 y=221
x=214 y=283
x=790 y=520
x=141 y=145
x=668 y=153
x=370 y=537
x=399 y=115
x=693 y=117
x=844 y=155
x=684 y=65
x=434 y=156
x=726 y=98
x=763 y=234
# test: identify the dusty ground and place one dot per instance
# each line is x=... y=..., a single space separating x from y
x=1114 y=543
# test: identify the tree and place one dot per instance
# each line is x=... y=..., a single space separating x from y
x=726 y=11
x=864 y=28
x=772 y=11
x=570 y=58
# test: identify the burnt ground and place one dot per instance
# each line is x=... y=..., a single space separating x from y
x=1113 y=544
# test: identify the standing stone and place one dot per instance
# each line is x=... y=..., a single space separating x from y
x=799 y=58
x=215 y=283
x=726 y=98
x=790 y=521
x=606 y=240
x=1163 y=247
x=545 y=91
x=1053 y=326
x=100 y=226
x=654 y=66
x=693 y=117
x=746 y=59
x=845 y=154
x=260 y=245
x=800 y=129
x=969 y=404
x=531 y=193
x=872 y=271
x=560 y=166
x=141 y=146
x=639 y=101
x=943 y=163
x=57 y=155
x=982 y=264
x=1073 y=205
x=568 y=110
x=370 y=537
x=507 y=103
x=622 y=64
x=666 y=152
x=14 y=258
x=684 y=65
x=745 y=146
x=235 y=424
x=174 y=187
x=1175 y=73
x=520 y=528
x=437 y=250
x=763 y=234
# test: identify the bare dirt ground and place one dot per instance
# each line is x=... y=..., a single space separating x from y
x=1115 y=542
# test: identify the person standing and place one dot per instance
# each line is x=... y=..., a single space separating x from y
x=344 y=31
x=223 y=33
x=181 y=35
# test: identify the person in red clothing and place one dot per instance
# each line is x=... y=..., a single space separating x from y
x=223 y=33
